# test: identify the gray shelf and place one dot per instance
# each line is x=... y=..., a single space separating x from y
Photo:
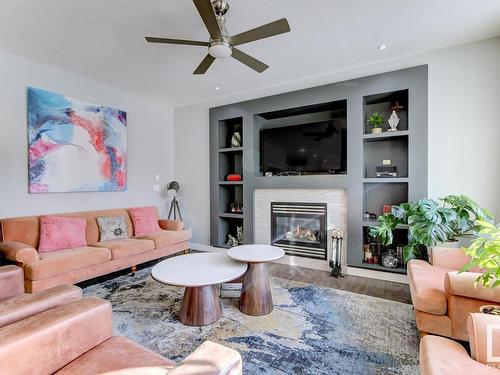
x=385 y=135
x=230 y=182
x=378 y=267
x=385 y=180
x=375 y=223
x=231 y=149
x=231 y=216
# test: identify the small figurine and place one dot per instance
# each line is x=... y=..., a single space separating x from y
x=236 y=208
x=231 y=241
x=393 y=122
x=239 y=235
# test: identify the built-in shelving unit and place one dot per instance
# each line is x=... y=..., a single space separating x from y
x=229 y=161
x=406 y=148
x=389 y=148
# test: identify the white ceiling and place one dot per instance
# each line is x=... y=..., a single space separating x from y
x=104 y=39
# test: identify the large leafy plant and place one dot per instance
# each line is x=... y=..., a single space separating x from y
x=484 y=252
x=430 y=222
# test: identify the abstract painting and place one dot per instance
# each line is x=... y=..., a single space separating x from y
x=75 y=146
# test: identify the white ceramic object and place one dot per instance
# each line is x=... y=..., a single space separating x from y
x=393 y=122
x=255 y=253
x=195 y=270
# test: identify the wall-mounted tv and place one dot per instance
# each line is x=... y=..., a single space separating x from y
x=313 y=148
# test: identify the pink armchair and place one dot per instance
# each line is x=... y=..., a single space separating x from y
x=441 y=356
x=442 y=297
x=16 y=305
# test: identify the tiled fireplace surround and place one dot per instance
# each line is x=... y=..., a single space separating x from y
x=336 y=200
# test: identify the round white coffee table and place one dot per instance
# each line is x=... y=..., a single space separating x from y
x=199 y=274
x=256 y=297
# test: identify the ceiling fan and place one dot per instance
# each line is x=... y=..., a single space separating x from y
x=221 y=44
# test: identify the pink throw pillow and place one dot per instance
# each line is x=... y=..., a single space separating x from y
x=57 y=233
x=145 y=220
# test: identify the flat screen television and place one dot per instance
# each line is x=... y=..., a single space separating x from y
x=314 y=148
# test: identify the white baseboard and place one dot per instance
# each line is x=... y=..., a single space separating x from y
x=316 y=264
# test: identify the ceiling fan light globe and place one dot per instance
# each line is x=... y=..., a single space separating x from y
x=220 y=50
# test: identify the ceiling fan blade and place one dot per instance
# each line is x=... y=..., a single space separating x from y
x=249 y=61
x=208 y=16
x=152 y=39
x=265 y=31
x=204 y=65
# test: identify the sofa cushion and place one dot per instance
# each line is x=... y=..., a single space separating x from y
x=117 y=353
x=145 y=220
x=427 y=287
x=25 y=305
x=112 y=228
x=125 y=248
x=62 y=261
x=57 y=233
x=165 y=238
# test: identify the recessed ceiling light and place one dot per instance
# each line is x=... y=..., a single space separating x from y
x=216 y=88
x=382 y=47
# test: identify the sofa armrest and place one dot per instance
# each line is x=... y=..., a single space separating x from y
x=11 y=281
x=462 y=284
x=19 y=252
x=478 y=326
x=210 y=359
x=442 y=356
x=453 y=258
x=45 y=342
x=171 y=224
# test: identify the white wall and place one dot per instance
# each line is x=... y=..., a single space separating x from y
x=150 y=141
x=464 y=128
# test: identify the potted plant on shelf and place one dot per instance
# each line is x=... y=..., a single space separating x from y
x=484 y=253
x=376 y=121
x=431 y=223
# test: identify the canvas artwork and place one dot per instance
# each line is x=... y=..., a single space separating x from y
x=75 y=146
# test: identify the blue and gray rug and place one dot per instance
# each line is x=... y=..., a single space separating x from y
x=312 y=329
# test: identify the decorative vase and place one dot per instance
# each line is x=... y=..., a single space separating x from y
x=376 y=130
x=236 y=139
x=390 y=260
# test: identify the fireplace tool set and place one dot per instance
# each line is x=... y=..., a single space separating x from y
x=336 y=247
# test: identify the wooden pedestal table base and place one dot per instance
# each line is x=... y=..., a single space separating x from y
x=200 y=306
x=256 y=297
x=199 y=274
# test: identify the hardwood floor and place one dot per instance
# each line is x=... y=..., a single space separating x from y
x=376 y=288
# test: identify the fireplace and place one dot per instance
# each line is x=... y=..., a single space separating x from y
x=300 y=228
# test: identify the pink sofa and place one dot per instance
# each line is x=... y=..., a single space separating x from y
x=20 y=237
x=441 y=356
x=443 y=297
x=59 y=341
x=16 y=305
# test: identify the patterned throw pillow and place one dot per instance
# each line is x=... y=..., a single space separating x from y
x=112 y=228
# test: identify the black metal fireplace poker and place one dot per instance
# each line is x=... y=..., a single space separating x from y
x=336 y=245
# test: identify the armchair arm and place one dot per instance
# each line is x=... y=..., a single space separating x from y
x=210 y=359
x=462 y=284
x=11 y=281
x=171 y=224
x=448 y=257
x=19 y=252
x=477 y=327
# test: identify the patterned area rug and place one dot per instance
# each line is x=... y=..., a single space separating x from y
x=312 y=329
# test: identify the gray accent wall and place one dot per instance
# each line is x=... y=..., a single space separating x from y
x=412 y=79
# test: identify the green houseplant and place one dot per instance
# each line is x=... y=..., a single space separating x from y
x=484 y=252
x=376 y=121
x=431 y=222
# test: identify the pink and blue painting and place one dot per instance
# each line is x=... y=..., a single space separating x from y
x=75 y=146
